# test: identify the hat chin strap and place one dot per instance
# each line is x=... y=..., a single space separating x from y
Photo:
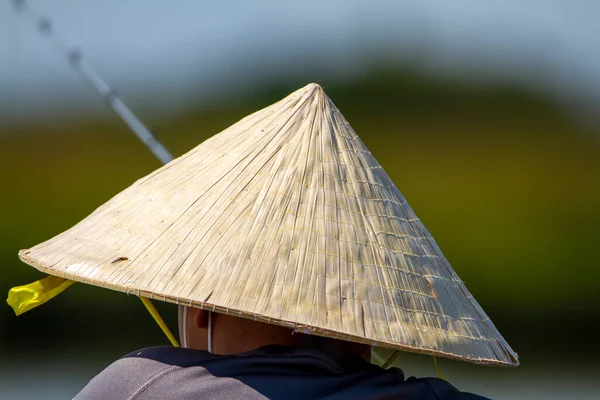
x=210 y=341
x=184 y=329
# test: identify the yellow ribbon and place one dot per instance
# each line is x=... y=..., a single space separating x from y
x=24 y=298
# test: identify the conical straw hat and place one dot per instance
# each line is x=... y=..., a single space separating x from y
x=286 y=218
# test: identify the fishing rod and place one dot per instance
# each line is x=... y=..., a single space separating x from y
x=74 y=57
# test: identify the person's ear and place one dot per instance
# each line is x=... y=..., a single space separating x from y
x=200 y=318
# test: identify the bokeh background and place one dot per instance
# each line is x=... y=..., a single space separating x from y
x=485 y=114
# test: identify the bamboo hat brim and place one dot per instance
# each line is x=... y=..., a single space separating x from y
x=285 y=217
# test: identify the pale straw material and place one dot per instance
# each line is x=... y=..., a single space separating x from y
x=286 y=218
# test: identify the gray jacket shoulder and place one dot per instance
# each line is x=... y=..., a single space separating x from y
x=125 y=379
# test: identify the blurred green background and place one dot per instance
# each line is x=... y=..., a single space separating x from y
x=505 y=178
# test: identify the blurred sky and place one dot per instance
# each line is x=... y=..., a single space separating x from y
x=161 y=55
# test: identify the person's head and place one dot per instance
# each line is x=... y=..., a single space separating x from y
x=225 y=334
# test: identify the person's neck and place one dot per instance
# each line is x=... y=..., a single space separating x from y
x=233 y=335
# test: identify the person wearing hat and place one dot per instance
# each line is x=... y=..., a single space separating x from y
x=290 y=253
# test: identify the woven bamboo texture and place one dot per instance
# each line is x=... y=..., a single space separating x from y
x=284 y=217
